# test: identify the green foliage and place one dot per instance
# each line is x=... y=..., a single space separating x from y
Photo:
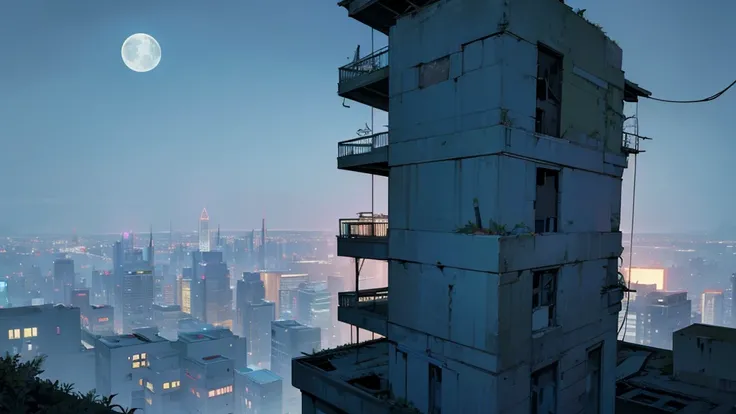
x=22 y=392
x=494 y=229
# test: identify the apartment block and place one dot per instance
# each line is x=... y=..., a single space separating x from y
x=504 y=154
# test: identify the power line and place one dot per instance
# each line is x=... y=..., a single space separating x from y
x=708 y=99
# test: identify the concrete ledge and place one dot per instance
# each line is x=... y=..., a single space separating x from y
x=375 y=248
x=499 y=139
x=496 y=254
x=364 y=319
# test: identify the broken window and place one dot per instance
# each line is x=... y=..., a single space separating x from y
x=545 y=205
x=593 y=381
x=435 y=389
x=544 y=390
x=434 y=72
x=544 y=299
x=549 y=91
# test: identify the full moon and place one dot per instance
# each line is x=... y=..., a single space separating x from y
x=141 y=52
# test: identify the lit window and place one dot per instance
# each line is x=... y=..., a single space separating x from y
x=166 y=385
x=140 y=382
x=136 y=357
x=136 y=365
x=212 y=393
x=149 y=386
x=10 y=334
x=143 y=355
x=30 y=347
x=175 y=384
x=149 y=401
x=34 y=331
x=16 y=332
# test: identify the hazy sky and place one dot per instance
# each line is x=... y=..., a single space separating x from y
x=242 y=114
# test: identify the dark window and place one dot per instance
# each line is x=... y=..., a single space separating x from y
x=434 y=72
x=549 y=91
x=547 y=200
x=594 y=381
x=544 y=299
x=544 y=391
x=435 y=389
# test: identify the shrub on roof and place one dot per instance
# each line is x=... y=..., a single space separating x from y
x=22 y=392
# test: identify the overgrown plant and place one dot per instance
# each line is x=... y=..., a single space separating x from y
x=22 y=392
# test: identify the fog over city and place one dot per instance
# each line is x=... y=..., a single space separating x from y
x=376 y=206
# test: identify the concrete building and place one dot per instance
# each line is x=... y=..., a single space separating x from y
x=209 y=381
x=289 y=340
x=258 y=317
x=166 y=319
x=661 y=314
x=504 y=157
x=711 y=307
x=211 y=296
x=258 y=392
x=313 y=308
x=215 y=341
x=99 y=320
x=696 y=376
x=32 y=331
x=64 y=280
x=121 y=361
x=161 y=383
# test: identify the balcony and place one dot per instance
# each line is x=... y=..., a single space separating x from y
x=381 y=14
x=368 y=154
x=369 y=311
x=353 y=377
x=366 y=80
x=365 y=237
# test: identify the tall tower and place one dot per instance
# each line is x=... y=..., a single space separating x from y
x=262 y=249
x=204 y=231
x=150 y=252
x=504 y=159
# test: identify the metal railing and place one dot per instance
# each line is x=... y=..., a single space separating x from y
x=369 y=64
x=362 y=145
x=364 y=228
x=347 y=299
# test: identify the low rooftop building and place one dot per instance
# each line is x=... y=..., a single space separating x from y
x=697 y=376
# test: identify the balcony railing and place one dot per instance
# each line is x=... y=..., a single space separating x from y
x=362 y=145
x=367 y=297
x=364 y=227
x=369 y=64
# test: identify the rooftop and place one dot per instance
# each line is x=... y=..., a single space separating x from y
x=289 y=324
x=167 y=308
x=205 y=335
x=364 y=366
x=138 y=338
x=31 y=310
x=719 y=333
x=645 y=383
x=262 y=376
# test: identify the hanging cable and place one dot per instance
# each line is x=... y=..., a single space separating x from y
x=708 y=99
x=631 y=235
x=373 y=177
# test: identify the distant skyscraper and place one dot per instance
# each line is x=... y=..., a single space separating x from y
x=262 y=248
x=711 y=307
x=63 y=280
x=134 y=285
x=204 y=231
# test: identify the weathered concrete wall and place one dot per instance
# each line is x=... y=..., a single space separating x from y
x=464 y=302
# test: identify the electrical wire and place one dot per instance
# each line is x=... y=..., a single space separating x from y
x=624 y=325
x=708 y=99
